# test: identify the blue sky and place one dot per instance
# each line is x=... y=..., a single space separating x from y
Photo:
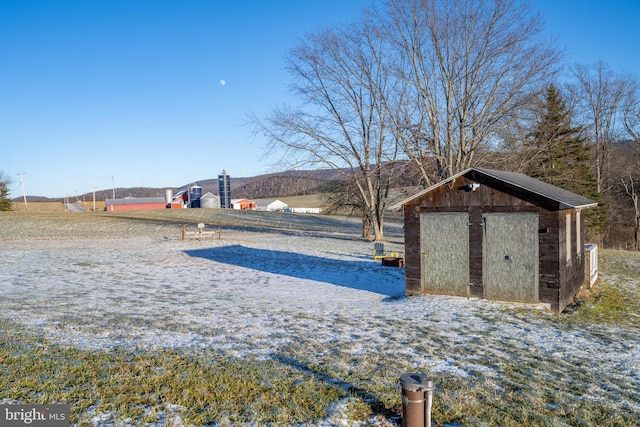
x=133 y=89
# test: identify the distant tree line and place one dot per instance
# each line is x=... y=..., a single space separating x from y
x=274 y=186
x=438 y=86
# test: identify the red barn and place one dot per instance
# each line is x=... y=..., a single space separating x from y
x=134 y=204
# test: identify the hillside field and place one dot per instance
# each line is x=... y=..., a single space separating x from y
x=308 y=201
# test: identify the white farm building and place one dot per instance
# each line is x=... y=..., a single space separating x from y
x=271 y=205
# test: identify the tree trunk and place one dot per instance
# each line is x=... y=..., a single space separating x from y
x=377 y=230
x=637 y=221
x=366 y=225
x=637 y=233
x=630 y=188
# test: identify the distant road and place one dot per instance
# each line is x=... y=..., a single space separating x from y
x=74 y=207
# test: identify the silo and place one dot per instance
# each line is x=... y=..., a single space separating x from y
x=224 y=188
x=168 y=195
x=195 y=194
x=210 y=201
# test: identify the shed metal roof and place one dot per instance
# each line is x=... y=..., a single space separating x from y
x=565 y=199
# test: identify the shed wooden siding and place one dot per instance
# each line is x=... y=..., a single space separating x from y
x=558 y=278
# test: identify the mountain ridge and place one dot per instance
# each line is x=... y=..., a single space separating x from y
x=271 y=185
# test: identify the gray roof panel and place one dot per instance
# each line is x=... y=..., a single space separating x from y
x=565 y=198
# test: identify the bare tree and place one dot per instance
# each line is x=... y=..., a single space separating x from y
x=339 y=75
x=472 y=67
x=630 y=186
x=600 y=96
x=631 y=110
x=345 y=197
x=631 y=183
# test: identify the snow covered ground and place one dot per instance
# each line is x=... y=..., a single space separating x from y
x=250 y=293
x=306 y=299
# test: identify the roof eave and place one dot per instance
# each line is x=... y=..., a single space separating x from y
x=401 y=203
x=581 y=207
x=487 y=172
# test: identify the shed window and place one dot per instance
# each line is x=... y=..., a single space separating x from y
x=568 y=236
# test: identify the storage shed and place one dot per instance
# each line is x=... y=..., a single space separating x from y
x=497 y=235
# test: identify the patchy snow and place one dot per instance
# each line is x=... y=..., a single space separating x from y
x=306 y=299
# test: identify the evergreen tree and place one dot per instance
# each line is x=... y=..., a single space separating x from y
x=558 y=154
x=5 y=202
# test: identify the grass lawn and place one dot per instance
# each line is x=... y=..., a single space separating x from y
x=491 y=378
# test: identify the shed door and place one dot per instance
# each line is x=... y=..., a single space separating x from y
x=510 y=269
x=444 y=253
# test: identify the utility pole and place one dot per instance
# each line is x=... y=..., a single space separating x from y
x=24 y=194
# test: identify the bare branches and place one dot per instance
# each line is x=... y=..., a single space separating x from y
x=341 y=77
x=472 y=67
x=633 y=192
x=631 y=110
x=432 y=81
x=600 y=94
